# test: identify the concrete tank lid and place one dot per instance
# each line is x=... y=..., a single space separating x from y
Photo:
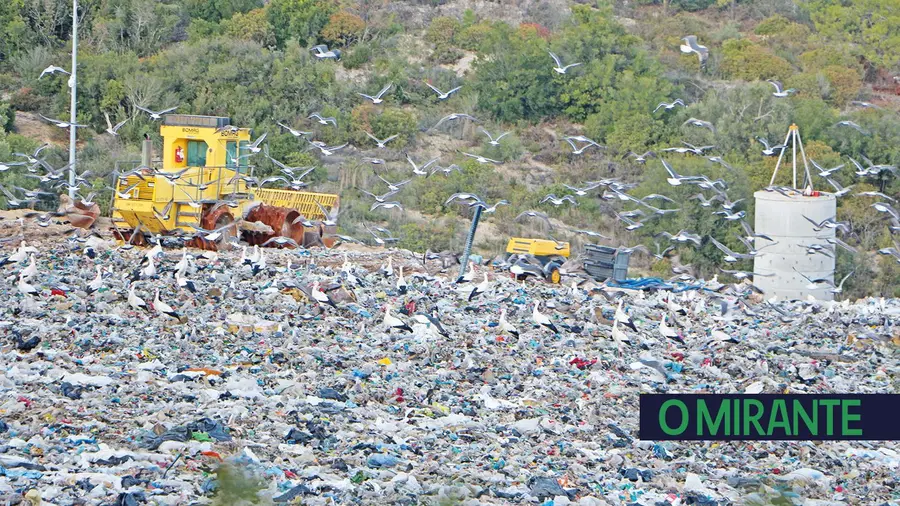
x=798 y=197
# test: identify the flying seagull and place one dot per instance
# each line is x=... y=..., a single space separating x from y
x=386 y=205
x=52 y=69
x=691 y=46
x=867 y=105
x=494 y=142
x=442 y=95
x=480 y=158
x=823 y=172
x=113 y=130
x=848 y=123
x=770 y=150
x=253 y=147
x=779 y=90
x=377 y=98
x=156 y=115
x=575 y=149
x=295 y=133
x=420 y=170
x=559 y=68
x=381 y=143
x=453 y=116
x=61 y=124
x=640 y=158
x=700 y=123
x=669 y=105
x=322 y=121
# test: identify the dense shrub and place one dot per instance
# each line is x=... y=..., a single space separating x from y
x=7 y=117
x=442 y=30
x=344 y=28
x=742 y=59
x=253 y=25
x=357 y=57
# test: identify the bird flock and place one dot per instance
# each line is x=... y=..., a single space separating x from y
x=713 y=194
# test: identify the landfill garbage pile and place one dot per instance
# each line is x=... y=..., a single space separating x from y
x=151 y=376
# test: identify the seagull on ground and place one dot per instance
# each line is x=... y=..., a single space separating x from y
x=506 y=327
x=163 y=308
x=542 y=319
x=392 y=322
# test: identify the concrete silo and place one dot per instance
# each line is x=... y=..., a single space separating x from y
x=782 y=218
x=781 y=213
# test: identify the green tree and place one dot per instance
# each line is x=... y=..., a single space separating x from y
x=873 y=26
x=442 y=30
x=12 y=27
x=344 y=28
x=299 y=20
x=253 y=25
x=515 y=81
x=218 y=10
x=7 y=117
x=742 y=59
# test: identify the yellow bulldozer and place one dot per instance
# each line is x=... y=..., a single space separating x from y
x=200 y=184
x=550 y=254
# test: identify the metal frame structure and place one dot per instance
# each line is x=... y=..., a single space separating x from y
x=793 y=136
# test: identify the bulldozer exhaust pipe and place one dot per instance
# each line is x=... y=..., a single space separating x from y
x=146 y=152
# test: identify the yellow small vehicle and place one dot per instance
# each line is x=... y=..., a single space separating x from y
x=550 y=254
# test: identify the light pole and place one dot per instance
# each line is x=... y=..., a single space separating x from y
x=72 y=85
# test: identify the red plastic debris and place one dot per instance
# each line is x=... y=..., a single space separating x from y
x=581 y=363
x=24 y=400
x=57 y=291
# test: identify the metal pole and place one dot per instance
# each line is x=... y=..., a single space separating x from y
x=73 y=81
x=809 y=181
x=469 y=240
x=780 y=156
x=794 y=156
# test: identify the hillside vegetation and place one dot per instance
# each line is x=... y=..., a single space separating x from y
x=250 y=60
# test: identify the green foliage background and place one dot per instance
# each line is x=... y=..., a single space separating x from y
x=249 y=60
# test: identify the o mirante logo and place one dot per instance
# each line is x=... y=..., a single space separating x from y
x=769 y=417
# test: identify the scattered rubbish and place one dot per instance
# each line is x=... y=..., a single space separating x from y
x=259 y=394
